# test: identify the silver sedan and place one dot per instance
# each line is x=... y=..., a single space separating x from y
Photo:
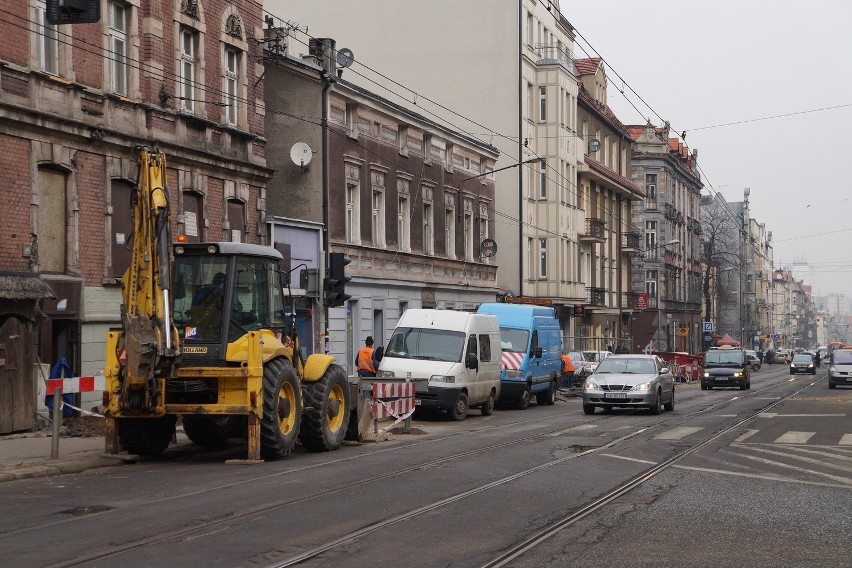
x=630 y=380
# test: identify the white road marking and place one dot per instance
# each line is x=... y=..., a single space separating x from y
x=759 y=476
x=793 y=456
x=846 y=440
x=811 y=415
x=773 y=463
x=795 y=438
x=629 y=459
x=746 y=434
x=767 y=415
x=678 y=433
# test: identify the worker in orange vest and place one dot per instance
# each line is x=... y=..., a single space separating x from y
x=567 y=371
x=364 y=363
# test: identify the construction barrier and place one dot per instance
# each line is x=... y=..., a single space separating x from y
x=685 y=367
x=74 y=385
x=391 y=400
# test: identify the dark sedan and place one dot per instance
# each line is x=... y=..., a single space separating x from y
x=803 y=363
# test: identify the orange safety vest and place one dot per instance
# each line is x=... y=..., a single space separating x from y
x=364 y=360
x=567 y=364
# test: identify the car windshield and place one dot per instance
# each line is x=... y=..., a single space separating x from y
x=576 y=356
x=593 y=356
x=514 y=340
x=802 y=359
x=843 y=357
x=723 y=356
x=626 y=365
x=426 y=344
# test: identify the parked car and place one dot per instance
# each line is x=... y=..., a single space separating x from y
x=783 y=356
x=582 y=367
x=753 y=359
x=630 y=380
x=840 y=368
x=803 y=363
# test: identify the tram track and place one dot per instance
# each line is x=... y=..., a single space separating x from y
x=242 y=516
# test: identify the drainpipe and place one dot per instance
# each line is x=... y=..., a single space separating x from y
x=327 y=80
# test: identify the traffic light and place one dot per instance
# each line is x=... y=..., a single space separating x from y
x=579 y=311
x=335 y=283
x=58 y=12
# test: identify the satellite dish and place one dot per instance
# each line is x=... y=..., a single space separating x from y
x=594 y=145
x=301 y=154
x=345 y=57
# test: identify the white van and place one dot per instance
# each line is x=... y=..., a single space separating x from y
x=452 y=357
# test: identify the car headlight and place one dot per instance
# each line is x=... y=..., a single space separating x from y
x=642 y=387
x=443 y=378
x=514 y=374
x=833 y=371
x=738 y=374
x=792 y=366
x=385 y=374
x=706 y=375
x=590 y=386
x=811 y=365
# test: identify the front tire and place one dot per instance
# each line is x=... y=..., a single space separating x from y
x=669 y=406
x=211 y=431
x=282 y=410
x=146 y=436
x=487 y=408
x=548 y=397
x=460 y=408
x=524 y=402
x=325 y=416
x=657 y=408
x=831 y=385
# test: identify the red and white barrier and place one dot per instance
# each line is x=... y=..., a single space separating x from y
x=511 y=360
x=400 y=403
x=74 y=385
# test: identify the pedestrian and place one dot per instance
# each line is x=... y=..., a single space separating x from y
x=364 y=362
x=817 y=359
x=568 y=371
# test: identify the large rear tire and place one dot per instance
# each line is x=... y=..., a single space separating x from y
x=524 y=401
x=487 y=407
x=146 y=436
x=282 y=410
x=211 y=431
x=325 y=417
x=460 y=408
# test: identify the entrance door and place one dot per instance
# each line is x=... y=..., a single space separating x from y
x=17 y=389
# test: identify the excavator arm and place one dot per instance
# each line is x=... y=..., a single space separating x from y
x=150 y=339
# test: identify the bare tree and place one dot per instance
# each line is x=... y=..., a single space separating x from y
x=720 y=234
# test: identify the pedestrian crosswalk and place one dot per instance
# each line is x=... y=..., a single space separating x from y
x=757 y=436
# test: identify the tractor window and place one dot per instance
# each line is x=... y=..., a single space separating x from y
x=199 y=285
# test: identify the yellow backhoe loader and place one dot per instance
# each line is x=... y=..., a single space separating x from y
x=206 y=336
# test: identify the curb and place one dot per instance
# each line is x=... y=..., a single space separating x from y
x=46 y=470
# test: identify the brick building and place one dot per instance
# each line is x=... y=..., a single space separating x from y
x=75 y=102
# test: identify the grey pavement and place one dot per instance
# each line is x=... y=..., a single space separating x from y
x=28 y=455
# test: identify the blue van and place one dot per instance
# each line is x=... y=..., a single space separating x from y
x=532 y=352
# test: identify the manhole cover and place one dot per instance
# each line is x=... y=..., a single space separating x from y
x=578 y=449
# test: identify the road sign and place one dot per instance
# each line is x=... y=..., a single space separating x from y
x=707 y=326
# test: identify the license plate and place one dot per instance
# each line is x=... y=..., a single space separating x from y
x=417 y=402
x=615 y=395
x=721 y=378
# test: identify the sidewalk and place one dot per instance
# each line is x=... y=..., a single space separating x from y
x=27 y=455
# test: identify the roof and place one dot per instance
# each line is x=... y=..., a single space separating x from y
x=24 y=286
x=628 y=184
x=587 y=65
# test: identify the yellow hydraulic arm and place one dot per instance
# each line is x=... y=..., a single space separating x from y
x=150 y=338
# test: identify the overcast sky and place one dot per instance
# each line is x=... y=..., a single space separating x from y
x=705 y=63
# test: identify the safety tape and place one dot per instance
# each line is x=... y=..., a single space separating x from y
x=398 y=418
x=80 y=410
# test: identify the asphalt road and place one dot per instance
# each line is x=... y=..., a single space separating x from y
x=774 y=490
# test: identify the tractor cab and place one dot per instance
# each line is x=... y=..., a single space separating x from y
x=221 y=292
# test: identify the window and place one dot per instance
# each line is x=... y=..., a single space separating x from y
x=193 y=212
x=188 y=62
x=237 y=221
x=530 y=102
x=52 y=221
x=651 y=283
x=651 y=187
x=427 y=148
x=378 y=213
x=468 y=233
x=402 y=139
x=353 y=196
x=450 y=230
x=118 y=48
x=428 y=234
x=471 y=345
x=122 y=225
x=232 y=61
x=483 y=222
x=650 y=239
x=542 y=258
x=484 y=348
x=542 y=104
x=47 y=41
x=402 y=225
x=542 y=180
x=352 y=120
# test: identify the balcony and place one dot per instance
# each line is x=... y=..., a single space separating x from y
x=635 y=300
x=632 y=242
x=595 y=231
x=597 y=296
